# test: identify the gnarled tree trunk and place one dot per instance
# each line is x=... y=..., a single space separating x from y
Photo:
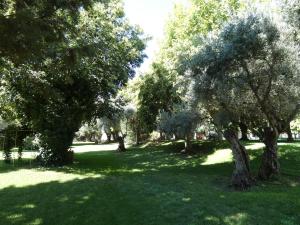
x=241 y=177
x=269 y=165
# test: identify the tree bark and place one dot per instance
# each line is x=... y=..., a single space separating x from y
x=269 y=164
x=289 y=133
x=241 y=178
x=244 y=131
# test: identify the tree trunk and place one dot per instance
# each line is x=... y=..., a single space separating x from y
x=187 y=144
x=219 y=135
x=120 y=139
x=115 y=136
x=161 y=137
x=137 y=136
x=244 y=131
x=269 y=165
x=20 y=153
x=108 y=137
x=289 y=133
x=241 y=178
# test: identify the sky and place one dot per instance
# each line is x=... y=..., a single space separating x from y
x=151 y=16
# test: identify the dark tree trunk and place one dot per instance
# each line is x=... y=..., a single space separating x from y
x=244 y=131
x=161 y=137
x=98 y=139
x=121 y=147
x=289 y=133
x=269 y=164
x=241 y=178
x=108 y=137
x=115 y=136
x=20 y=152
x=137 y=136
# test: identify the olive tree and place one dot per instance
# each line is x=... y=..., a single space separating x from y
x=91 y=131
x=181 y=124
x=253 y=58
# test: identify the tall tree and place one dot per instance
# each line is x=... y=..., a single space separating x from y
x=157 y=93
x=77 y=78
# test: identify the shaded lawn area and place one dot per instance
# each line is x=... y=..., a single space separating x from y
x=150 y=185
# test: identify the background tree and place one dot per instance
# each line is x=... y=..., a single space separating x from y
x=157 y=93
x=91 y=131
x=180 y=124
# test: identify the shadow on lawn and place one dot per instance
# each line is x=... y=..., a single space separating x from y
x=149 y=187
x=145 y=198
x=16 y=165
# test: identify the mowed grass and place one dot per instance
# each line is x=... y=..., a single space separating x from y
x=152 y=184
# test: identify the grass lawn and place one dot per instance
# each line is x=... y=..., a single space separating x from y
x=150 y=185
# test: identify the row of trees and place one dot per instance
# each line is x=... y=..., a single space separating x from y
x=231 y=62
x=61 y=63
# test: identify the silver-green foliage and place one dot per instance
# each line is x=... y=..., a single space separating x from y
x=180 y=123
x=250 y=66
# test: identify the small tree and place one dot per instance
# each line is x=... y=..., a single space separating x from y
x=181 y=124
x=91 y=131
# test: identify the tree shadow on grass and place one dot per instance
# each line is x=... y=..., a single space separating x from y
x=16 y=165
x=146 y=198
x=152 y=186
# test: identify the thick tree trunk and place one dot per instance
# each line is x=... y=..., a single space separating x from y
x=289 y=133
x=241 y=177
x=244 y=131
x=269 y=165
